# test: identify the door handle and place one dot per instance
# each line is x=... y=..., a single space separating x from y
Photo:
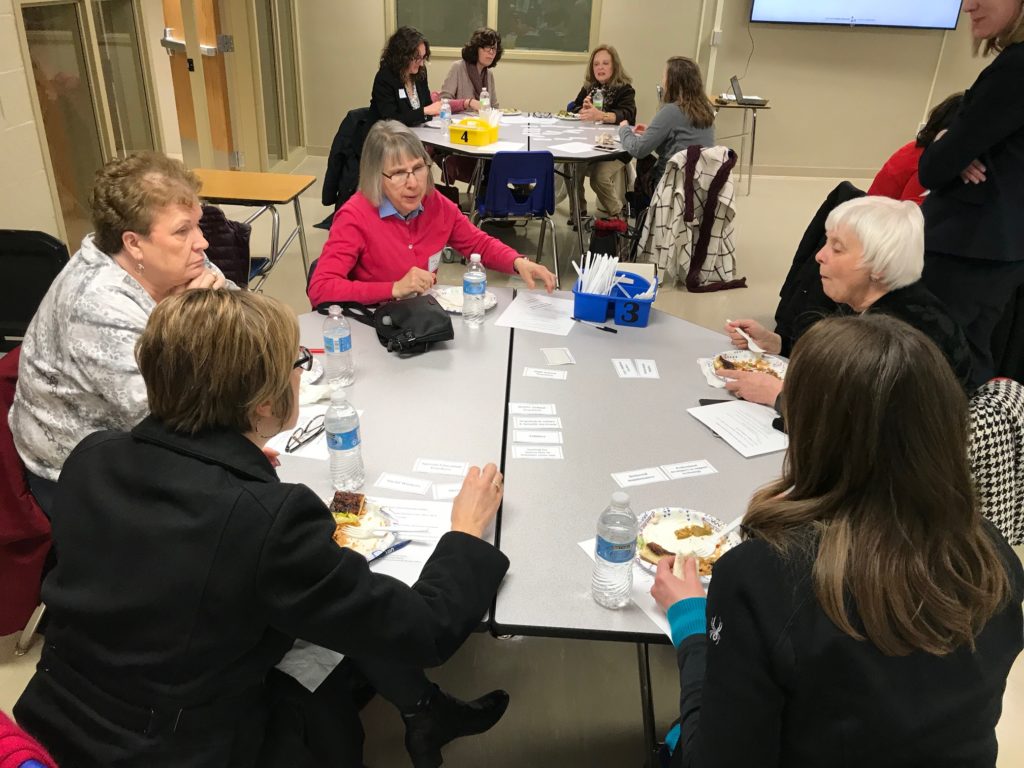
x=173 y=46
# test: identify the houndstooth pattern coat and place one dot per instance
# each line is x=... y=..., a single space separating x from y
x=996 y=453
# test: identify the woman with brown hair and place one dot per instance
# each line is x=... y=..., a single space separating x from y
x=686 y=118
x=468 y=77
x=400 y=91
x=871 y=615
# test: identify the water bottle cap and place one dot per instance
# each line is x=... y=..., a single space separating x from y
x=620 y=499
x=475 y=258
x=334 y=310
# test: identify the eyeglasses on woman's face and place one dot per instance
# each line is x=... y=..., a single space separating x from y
x=489 y=48
x=400 y=177
x=305 y=361
x=303 y=435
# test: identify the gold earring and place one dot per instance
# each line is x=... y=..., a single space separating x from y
x=140 y=267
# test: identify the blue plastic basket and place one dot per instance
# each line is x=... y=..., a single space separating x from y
x=625 y=310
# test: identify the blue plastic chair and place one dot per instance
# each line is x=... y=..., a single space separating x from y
x=521 y=186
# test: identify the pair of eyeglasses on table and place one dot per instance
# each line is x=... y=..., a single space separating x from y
x=313 y=429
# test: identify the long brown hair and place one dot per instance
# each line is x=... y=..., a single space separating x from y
x=684 y=87
x=619 y=76
x=876 y=486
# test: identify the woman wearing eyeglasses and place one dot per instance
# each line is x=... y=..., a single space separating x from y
x=475 y=71
x=386 y=241
x=187 y=569
x=400 y=90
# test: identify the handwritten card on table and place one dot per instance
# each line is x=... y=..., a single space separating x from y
x=395 y=482
x=545 y=373
x=625 y=368
x=747 y=427
x=684 y=469
x=441 y=467
x=446 y=491
x=558 y=356
x=639 y=477
x=537 y=452
x=548 y=437
x=647 y=369
x=537 y=422
x=531 y=409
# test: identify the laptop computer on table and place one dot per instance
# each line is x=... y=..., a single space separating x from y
x=747 y=101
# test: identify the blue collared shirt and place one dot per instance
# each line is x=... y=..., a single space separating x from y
x=387 y=209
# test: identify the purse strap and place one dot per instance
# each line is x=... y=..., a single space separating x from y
x=359 y=312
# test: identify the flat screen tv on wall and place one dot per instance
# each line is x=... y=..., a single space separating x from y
x=921 y=14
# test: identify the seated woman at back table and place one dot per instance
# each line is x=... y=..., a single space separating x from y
x=685 y=118
x=898 y=177
x=474 y=72
x=77 y=372
x=606 y=73
x=386 y=241
x=872 y=259
x=400 y=91
x=871 y=615
x=186 y=569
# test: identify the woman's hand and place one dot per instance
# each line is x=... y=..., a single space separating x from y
x=473 y=105
x=532 y=272
x=765 y=339
x=668 y=589
x=752 y=386
x=639 y=128
x=587 y=112
x=416 y=281
x=206 y=279
x=973 y=173
x=433 y=109
x=477 y=503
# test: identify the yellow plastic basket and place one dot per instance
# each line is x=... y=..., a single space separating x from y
x=472 y=131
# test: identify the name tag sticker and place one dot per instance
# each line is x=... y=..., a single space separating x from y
x=434 y=262
x=401 y=93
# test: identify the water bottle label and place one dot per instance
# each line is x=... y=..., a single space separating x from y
x=343 y=441
x=474 y=287
x=615 y=553
x=343 y=344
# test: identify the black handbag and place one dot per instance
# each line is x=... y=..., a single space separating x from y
x=404 y=326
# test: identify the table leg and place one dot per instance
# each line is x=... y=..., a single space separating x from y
x=647 y=705
x=743 y=145
x=302 y=237
x=573 y=169
x=753 y=142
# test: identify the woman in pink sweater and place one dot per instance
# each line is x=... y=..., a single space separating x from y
x=386 y=241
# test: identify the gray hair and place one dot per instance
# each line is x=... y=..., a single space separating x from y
x=891 y=234
x=387 y=142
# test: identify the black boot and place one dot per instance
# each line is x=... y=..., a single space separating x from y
x=442 y=718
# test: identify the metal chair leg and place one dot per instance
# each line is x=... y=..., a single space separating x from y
x=25 y=641
x=554 y=252
x=540 y=239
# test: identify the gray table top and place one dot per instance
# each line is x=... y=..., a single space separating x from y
x=448 y=403
x=609 y=425
x=540 y=137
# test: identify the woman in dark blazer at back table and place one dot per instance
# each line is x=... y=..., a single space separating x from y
x=974 y=227
x=400 y=90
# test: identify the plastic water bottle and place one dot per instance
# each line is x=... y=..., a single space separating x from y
x=338 y=364
x=617 y=529
x=598 y=100
x=485 y=102
x=341 y=423
x=446 y=113
x=474 y=288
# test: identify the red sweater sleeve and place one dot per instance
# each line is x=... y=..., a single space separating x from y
x=345 y=244
x=467 y=239
x=897 y=173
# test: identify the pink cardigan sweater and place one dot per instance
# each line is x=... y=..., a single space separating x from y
x=365 y=254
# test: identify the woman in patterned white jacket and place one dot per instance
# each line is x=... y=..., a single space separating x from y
x=78 y=372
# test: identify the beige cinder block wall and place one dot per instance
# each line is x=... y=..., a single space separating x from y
x=25 y=200
x=843 y=99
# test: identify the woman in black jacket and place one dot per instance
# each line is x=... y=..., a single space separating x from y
x=974 y=230
x=187 y=569
x=871 y=615
x=400 y=90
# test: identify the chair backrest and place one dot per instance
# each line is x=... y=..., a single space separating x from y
x=520 y=184
x=228 y=244
x=29 y=261
x=342 y=174
x=996 y=453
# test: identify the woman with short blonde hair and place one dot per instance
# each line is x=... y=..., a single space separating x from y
x=871 y=614
x=187 y=569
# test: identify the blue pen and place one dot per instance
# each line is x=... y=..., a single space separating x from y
x=379 y=553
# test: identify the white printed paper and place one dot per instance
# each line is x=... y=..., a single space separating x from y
x=545 y=373
x=528 y=436
x=441 y=467
x=539 y=313
x=558 y=356
x=643 y=476
x=641 y=592
x=747 y=427
x=647 y=369
x=446 y=491
x=685 y=469
x=532 y=409
x=624 y=368
x=498 y=146
x=537 y=452
x=402 y=483
x=537 y=422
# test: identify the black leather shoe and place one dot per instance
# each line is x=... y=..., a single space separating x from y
x=443 y=718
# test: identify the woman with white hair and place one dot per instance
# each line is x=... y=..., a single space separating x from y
x=872 y=259
x=386 y=241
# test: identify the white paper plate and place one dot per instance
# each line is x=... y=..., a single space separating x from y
x=375 y=517
x=314 y=374
x=510 y=112
x=744 y=358
x=570 y=118
x=684 y=517
x=450 y=299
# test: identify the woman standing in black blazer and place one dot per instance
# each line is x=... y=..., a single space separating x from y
x=974 y=227
x=400 y=90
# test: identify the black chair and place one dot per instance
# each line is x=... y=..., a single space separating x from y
x=342 y=176
x=29 y=262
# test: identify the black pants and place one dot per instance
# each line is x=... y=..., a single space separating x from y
x=44 y=490
x=976 y=292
